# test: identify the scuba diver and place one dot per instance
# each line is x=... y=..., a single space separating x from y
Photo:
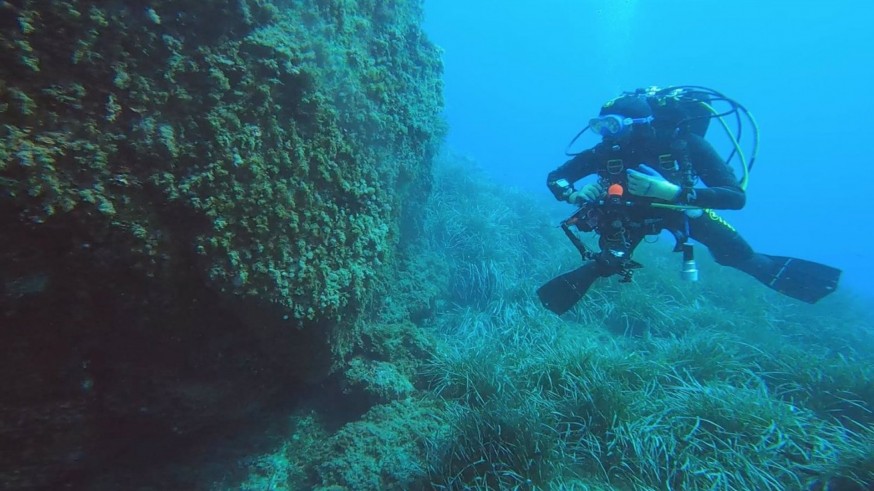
x=655 y=171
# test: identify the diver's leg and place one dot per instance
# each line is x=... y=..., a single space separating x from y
x=804 y=280
x=728 y=247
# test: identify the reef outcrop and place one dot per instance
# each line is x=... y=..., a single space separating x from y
x=198 y=200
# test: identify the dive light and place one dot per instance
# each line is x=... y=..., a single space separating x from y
x=690 y=269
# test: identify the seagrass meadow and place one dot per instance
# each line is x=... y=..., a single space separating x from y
x=236 y=256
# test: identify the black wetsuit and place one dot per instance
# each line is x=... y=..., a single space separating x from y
x=610 y=162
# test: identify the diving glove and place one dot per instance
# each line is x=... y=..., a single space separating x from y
x=589 y=192
x=650 y=184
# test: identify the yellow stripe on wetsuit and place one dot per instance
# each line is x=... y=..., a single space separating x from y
x=716 y=218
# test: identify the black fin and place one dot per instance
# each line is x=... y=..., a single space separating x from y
x=563 y=292
x=805 y=280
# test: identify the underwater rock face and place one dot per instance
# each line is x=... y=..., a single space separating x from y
x=193 y=196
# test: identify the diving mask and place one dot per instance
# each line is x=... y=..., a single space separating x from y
x=613 y=126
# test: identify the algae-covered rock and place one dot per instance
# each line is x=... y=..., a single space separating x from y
x=387 y=449
x=193 y=195
x=276 y=142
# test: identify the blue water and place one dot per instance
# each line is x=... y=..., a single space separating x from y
x=521 y=78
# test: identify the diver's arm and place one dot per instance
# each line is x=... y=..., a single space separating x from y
x=722 y=191
x=571 y=171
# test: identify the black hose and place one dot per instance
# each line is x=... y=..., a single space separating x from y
x=569 y=145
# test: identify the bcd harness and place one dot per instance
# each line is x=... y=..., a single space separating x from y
x=621 y=223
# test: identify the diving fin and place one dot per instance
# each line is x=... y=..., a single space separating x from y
x=563 y=292
x=804 y=280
